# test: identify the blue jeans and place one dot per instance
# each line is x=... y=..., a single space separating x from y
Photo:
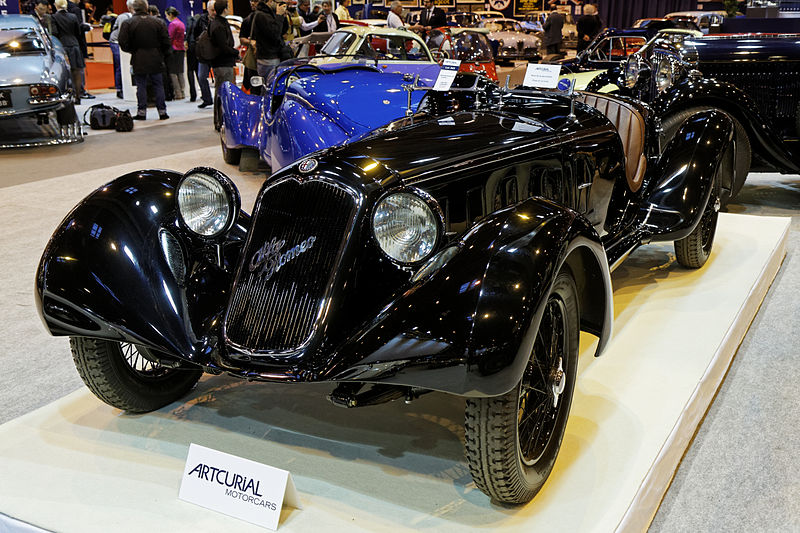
x=202 y=79
x=117 y=65
x=156 y=80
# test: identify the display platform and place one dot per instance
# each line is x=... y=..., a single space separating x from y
x=79 y=465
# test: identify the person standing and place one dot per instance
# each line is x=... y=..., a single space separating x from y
x=68 y=29
x=342 y=12
x=331 y=22
x=146 y=39
x=113 y=43
x=219 y=31
x=244 y=38
x=191 y=58
x=393 y=19
x=553 y=27
x=431 y=16
x=588 y=26
x=268 y=33
x=42 y=11
x=75 y=9
x=304 y=10
x=177 y=35
x=203 y=68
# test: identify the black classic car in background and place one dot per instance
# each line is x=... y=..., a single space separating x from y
x=674 y=79
x=460 y=249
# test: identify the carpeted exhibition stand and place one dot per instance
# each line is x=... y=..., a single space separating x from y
x=79 y=465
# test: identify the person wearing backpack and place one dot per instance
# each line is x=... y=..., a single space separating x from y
x=203 y=68
x=146 y=39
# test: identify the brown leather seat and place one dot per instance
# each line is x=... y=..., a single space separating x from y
x=630 y=125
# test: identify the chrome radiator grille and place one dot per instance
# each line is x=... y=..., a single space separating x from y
x=289 y=263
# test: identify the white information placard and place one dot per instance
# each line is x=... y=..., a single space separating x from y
x=544 y=76
x=447 y=74
x=237 y=487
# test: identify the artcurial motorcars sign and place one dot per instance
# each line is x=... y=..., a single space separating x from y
x=237 y=487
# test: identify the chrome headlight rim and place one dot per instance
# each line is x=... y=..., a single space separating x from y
x=631 y=74
x=233 y=200
x=664 y=75
x=438 y=216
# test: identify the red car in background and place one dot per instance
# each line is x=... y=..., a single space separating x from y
x=470 y=45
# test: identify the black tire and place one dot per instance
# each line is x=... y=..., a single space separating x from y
x=508 y=457
x=229 y=155
x=125 y=377
x=217 y=114
x=744 y=153
x=694 y=250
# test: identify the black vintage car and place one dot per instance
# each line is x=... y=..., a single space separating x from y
x=750 y=78
x=460 y=249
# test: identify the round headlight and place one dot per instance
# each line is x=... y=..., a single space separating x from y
x=406 y=227
x=631 y=73
x=207 y=202
x=664 y=75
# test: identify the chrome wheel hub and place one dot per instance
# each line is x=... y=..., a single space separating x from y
x=558 y=381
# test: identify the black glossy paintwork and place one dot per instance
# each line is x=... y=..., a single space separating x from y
x=465 y=328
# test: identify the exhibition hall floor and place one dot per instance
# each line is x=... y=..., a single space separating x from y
x=79 y=465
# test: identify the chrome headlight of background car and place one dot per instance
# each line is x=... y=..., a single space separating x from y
x=406 y=227
x=208 y=202
x=664 y=74
x=632 y=72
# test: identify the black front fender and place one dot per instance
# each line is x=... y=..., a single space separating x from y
x=681 y=183
x=468 y=327
x=120 y=267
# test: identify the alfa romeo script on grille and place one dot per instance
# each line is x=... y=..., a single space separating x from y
x=269 y=258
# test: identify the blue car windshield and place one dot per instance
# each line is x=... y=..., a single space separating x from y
x=20 y=41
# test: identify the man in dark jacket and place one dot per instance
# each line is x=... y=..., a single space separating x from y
x=146 y=39
x=191 y=58
x=74 y=8
x=588 y=26
x=331 y=22
x=552 y=31
x=219 y=31
x=268 y=30
x=68 y=29
x=203 y=68
x=431 y=16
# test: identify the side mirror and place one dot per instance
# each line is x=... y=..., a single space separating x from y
x=257 y=81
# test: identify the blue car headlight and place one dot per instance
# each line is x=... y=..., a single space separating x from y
x=406 y=227
x=208 y=202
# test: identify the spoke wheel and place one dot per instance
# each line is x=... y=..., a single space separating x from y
x=694 y=250
x=512 y=440
x=128 y=376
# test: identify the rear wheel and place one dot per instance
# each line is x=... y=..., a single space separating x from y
x=512 y=440
x=731 y=185
x=129 y=377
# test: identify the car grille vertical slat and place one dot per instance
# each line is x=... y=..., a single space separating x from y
x=278 y=313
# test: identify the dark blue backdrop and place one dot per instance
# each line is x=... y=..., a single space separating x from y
x=622 y=13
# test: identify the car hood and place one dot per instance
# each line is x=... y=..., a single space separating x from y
x=357 y=100
x=24 y=70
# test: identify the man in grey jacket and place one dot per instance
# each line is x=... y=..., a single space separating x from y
x=113 y=43
x=552 y=31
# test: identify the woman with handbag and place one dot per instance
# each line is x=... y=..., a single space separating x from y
x=249 y=58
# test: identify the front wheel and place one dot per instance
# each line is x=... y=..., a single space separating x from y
x=229 y=155
x=129 y=377
x=512 y=440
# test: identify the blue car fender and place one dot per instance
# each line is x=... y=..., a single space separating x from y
x=242 y=117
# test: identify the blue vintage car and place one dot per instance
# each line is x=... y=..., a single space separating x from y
x=353 y=87
x=36 y=106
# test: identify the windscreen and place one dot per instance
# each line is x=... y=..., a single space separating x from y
x=339 y=43
x=472 y=47
x=20 y=42
x=393 y=48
